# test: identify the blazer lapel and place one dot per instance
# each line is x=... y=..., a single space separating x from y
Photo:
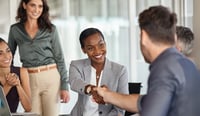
x=87 y=71
x=107 y=73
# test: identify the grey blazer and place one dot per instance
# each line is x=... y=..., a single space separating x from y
x=115 y=76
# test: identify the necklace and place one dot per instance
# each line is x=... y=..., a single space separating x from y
x=97 y=78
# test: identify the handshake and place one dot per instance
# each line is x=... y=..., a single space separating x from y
x=92 y=90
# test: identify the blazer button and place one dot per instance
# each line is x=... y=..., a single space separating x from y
x=100 y=112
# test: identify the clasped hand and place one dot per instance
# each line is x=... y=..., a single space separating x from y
x=97 y=98
x=12 y=79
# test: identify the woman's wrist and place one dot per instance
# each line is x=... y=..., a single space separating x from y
x=88 y=89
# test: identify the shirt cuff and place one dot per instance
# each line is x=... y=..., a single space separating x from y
x=64 y=86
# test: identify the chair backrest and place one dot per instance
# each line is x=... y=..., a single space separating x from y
x=133 y=88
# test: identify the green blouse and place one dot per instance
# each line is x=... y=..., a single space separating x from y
x=43 y=49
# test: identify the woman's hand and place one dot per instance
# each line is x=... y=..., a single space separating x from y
x=12 y=79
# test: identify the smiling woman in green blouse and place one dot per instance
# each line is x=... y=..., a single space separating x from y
x=40 y=52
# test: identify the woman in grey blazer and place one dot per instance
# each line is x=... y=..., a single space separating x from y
x=96 y=70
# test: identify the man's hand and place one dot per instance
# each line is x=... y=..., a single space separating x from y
x=97 y=97
x=101 y=91
x=64 y=96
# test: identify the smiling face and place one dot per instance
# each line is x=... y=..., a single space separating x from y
x=5 y=55
x=33 y=9
x=95 y=48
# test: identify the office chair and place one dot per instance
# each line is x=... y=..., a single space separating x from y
x=133 y=88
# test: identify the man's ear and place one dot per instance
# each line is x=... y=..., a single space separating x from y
x=178 y=46
x=175 y=38
x=144 y=36
x=145 y=39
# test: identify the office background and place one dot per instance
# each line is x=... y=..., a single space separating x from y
x=117 y=19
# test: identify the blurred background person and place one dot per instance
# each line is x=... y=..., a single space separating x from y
x=185 y=40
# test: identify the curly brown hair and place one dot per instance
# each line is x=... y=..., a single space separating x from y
x=185 y=37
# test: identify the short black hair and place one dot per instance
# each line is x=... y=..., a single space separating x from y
x=88 y=32
x=2 y=40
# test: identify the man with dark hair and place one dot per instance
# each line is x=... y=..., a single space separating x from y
x=174 y=81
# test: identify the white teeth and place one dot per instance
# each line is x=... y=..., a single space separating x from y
x=35 y=14
x=7 y=61
x=99 y=56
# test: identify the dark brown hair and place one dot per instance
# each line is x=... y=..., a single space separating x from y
x=43 y=21
x=159 y=23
